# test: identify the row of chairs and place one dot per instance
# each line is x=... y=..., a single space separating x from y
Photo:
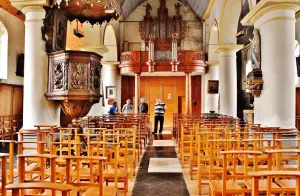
x=232 y=158
x=81 y=161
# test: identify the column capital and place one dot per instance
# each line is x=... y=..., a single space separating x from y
x=228 y=48
x=110 y=65
x=26 y=5
x=98 y=48
x=212 y=63
x=265 y=6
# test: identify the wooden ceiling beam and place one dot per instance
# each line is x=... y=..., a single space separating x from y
x=6 y=5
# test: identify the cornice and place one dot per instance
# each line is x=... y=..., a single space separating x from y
x=212 y=63
x=228 y=48
x=20 y=4
x=265 y=6
x=95 y=48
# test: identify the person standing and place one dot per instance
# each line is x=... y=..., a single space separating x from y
x=160 y=109
x=127 y=108
x=143 y=107
x=113 y=109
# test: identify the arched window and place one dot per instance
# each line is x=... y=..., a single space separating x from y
x=3 y=51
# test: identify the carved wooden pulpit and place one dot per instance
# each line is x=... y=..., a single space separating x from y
x=74 y=82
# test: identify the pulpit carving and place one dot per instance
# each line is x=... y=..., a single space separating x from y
x=79 y=76
x=58 y=75
x=74 y=81
x=95 y=77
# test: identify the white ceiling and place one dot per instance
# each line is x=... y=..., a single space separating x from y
x=198 y=6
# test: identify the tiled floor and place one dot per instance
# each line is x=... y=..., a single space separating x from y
x=164 y=165
x=157 y=143
x=159 y=184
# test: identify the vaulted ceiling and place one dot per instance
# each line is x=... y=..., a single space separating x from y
x=198 y=6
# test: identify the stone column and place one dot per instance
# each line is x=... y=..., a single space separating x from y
x=276 y=24
x=137 y=92
x=36 y=108
x=188 y=93
x=228 y=79
x=211 y=100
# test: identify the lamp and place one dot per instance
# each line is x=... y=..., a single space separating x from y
x=215 y=25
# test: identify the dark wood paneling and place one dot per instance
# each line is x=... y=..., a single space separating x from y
x=297 y=101
x=196 y=94
x=127 y=90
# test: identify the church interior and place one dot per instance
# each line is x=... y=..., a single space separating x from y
x=149 y=97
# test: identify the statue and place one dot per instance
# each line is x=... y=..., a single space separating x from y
x=255 y=51
x=148 y=9
x=177 y=8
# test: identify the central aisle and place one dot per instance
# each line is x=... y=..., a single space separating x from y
x=160 y=173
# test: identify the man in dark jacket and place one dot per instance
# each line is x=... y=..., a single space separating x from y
x=143 y=107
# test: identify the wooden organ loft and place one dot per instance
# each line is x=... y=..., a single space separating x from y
x=163 y=36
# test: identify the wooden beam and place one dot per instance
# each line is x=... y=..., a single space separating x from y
x=6 y=5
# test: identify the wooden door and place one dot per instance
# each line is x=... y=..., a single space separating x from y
x=181 y=105
x=298 y=102
x=167 y=89
x=170 y=98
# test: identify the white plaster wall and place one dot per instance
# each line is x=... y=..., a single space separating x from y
x=16 y=37
x=110 y=42
x=211 y=100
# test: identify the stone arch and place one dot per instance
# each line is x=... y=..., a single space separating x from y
x=230 y=12
x=3 y=51
x=110 y=41
x=213 y=40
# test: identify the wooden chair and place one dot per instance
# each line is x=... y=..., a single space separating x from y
x=128 y=151
x=63 y=188
x=88 y=175
x=233 y=184
x=3 y=157
x=11 y=151
x=256 y=176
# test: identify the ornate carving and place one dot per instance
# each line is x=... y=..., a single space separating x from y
x=126 y=57
x=47 y=29
x=58 y=75
x=79 y=76
x=74 y=84
x=54 y=29
x=255 y=82
x=198 y=56
x=148 y=10
x=76 y=109
x=66 y=78
x=95 y=76
x=255 y=50
x=177 y=9
x=162 y=27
